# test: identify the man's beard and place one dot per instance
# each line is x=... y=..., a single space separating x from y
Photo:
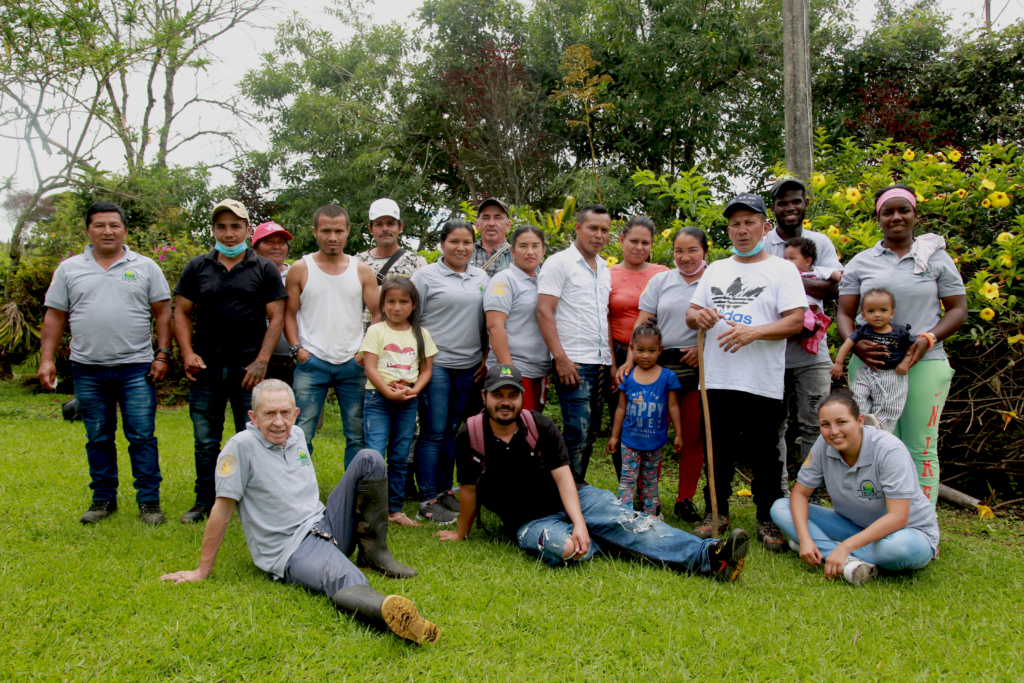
x=504 y=422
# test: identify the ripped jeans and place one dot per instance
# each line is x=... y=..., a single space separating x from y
x=615 y=529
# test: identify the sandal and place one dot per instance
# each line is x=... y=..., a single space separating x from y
x=401 y=519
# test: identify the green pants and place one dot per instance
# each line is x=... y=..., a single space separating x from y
x=918 y=426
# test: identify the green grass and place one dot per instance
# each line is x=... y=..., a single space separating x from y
x=85 y=603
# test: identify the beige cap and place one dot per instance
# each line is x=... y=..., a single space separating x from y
x=234 y=206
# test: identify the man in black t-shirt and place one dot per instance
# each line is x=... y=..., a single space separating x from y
x=237 y=299
x=550 y=513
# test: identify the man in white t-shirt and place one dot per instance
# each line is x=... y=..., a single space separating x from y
x=748 y=304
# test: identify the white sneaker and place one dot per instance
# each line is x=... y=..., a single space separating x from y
x=859 y=572
x=870 y=419
x=794 y=546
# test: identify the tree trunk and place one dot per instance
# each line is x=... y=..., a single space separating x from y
x=19 y=227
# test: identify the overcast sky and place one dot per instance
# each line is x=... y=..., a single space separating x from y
x=239 y=51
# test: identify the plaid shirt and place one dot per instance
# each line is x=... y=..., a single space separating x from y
x=480 y=257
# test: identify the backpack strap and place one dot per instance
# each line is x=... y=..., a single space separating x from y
x=475 y=425
x=532 y=434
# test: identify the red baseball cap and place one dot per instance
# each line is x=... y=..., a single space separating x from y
x=267 y=229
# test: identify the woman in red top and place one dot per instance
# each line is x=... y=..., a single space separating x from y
x=629 y=280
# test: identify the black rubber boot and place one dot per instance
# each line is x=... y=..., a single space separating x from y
x=392 y=612
x=371 y=531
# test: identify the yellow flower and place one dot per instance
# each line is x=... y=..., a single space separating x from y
x=999 y=199
x=807 y=224
x=666 y=233
x=961 y=193
x=1015 y=339
x=909 y=155
x=853 y=195
x=837 y=195
x=845 y=239
x=744 y=492
x=986 y=203
x=987 y=184
x=989 y=290
x=832 y=231
x=954 y=156
x=818 y=180
x=1004 y=237
x=920 y=198
x=987 y=314
x=985 y=512
x=1005 y=260
x=611 y=261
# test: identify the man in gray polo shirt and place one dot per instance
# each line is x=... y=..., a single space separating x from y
x=267 y=473
x=111 y=295
x=807 y=376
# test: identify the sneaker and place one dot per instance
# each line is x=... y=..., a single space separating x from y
x=704 y=530
x=658 y=517
x=870 y=419
x=729 y=556
x=401 y=519
x=794 y=546
x=859 y=572
x=151 y=513
x=98 y=510
x=771 y=536
x=433 y=511
x=687 y=511
x=450 y=501
x=196 y=513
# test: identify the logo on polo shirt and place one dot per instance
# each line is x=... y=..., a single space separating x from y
x=304 y=458
x=867 y=491
x=481 y=289
x=809 y=460
x=128 y=276
x=227 y=465
x=499 y=289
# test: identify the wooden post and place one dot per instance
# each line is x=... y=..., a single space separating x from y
x=707 y=430
x=796 y=42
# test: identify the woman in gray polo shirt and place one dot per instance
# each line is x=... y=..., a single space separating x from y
x=930 y=298
x=451 y=295
x=510 y=305
x=666 y=299
x=880 y=517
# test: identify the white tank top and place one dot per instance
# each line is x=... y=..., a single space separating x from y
x=330 y=313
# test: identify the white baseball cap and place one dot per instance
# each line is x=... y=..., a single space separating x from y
x=384 y=207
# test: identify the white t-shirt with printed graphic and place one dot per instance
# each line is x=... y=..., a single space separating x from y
x=752 y=294
x=398 y=359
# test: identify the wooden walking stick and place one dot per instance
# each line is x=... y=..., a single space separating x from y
x=707 y=430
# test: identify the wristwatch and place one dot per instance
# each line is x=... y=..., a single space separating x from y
x=167 y=351
x=293 y=351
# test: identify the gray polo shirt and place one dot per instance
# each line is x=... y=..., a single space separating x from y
x=884 y=469
x=668 y=297
x=453 y=312
x=775 y=245
x=278 y=499
x=514 y=293
x=917 y=296
x=109 y=310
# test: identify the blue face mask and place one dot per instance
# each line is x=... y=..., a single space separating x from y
x=231 y=252
x=753 y=252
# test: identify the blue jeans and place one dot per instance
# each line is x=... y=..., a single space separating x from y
x=312 y=381
x=904 y=549
x=615 y=529
x=390 y=425
x=442 y=410
x=99 y=390
x=581 y=414
x=207 y=398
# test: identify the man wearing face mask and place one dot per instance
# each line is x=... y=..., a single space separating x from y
x=238 y=302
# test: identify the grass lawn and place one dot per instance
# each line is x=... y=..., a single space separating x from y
x=85 y=603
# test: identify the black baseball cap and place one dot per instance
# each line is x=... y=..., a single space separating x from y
x=745 y=200
x=503 y=376
x=787 y=181
x=496 y=202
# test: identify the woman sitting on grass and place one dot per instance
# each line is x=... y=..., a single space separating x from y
x=881 y=518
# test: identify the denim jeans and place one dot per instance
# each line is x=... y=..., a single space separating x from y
x=312 y=381
x=615 y=529
x=99 y=390
x=207 y=398
x=390 y=426
x=904 y=549
x=806 y=388
x=581 y=414
x=442 y=407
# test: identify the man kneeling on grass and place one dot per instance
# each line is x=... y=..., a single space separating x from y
x=517 y=462
x=266 y=470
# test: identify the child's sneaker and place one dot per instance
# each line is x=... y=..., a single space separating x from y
x=687 y=511
x=859 y=572
x=728 y=557
x=433 y=511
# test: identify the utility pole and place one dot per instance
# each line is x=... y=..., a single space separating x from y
x=796 y=41
x=988 y=15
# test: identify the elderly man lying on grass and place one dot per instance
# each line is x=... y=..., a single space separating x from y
x=518 y=465
x=267 y=472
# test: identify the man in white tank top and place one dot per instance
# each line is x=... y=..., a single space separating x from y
x=324 y=327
